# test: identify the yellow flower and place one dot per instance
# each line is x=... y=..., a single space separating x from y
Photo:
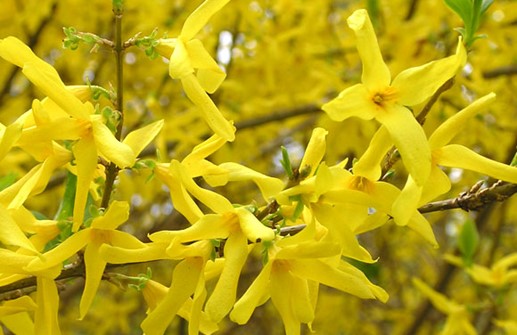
x=102 y=230
x=454 y=155
x=187 y=280
x=155 y=292
x=93 y=137
x=14 y=315
x=186 y=54
x=384 y=99
x=295 y=268
x=498 y=275
x=458 y=318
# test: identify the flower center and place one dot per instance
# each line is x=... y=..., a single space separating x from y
x=383 y=97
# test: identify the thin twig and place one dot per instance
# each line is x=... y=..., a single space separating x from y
x=112 y=170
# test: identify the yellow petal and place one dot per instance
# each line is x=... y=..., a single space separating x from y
x=269 y=186
x=281 y=292
x=94 y=266
x=210 y=226
x=212 y=200
x=206 y=106
x=117 y=213
x=315 y=151
x=223 y=297
x=376 y=75
x=184 y=282
x=111 y=149
x=407 y=202
x=16 y=52
x=421 y=226
x=182 y=201
x=13 y=262
x=438 y=184
x=46 y=315
x=439 y=301
x=199 y=18
x=10 y=232
x=138 y=139
x=453 y=125
x=209 y=74
x=9 y=137
x=254 y=230
x=410 y=140
x=455 y=155
x=85 y=154
x=245 y=306
x=369 y=165
x=122 y=255
x=353 y=101
x=179 y=63
x=346 y=281
x=416 y=84
x=48 y=82
x=61 y=253
x=166 y=46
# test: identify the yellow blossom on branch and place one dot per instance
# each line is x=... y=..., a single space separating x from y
x=186 y=54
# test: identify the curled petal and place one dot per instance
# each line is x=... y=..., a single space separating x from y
x=254 y=230
x=117 y=213
x=245 y=306
x=180 y=65
x=210 y=226
x=269 y=186
x=223 y=297
x=315 y=151
x=184 y=282
x=85 y=154
x=369 y=165
x=282 y=291
x=10 y=232
x=62 y=252
x=122 y=255
x=348 y=281
x=376 y=75
x=46 y=315
x=110 y=148
x=209 y=74
x=46 y=79
x=95 y=266
x=210 y=113
x=421 y=226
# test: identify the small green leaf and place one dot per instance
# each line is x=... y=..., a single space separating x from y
x=66 y=208
x=468 y=241
x=286 y=163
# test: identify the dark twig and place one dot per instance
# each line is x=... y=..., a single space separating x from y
x=476 y=200
x=509 y=70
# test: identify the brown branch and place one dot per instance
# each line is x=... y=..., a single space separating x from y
x=473 y=199
x=509 y=70
x=277 y=116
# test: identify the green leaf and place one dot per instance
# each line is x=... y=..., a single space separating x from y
x=468 y=241
x=286 y=163
x=66 y=208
